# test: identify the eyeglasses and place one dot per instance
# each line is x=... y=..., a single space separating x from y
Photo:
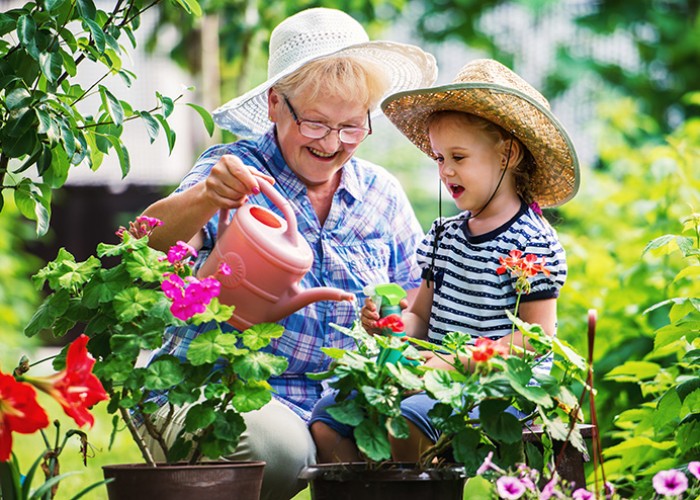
x=317 y=130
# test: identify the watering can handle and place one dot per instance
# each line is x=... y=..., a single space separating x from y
x=280 y=202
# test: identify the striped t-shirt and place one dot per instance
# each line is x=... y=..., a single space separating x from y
x=469 y=295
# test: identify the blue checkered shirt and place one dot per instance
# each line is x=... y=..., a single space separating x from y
x=370 y=236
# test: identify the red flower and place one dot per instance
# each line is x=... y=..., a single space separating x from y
x=392 y=322
x=485 y=348
x=521 y=268
x=76 y=388
x=19 y=412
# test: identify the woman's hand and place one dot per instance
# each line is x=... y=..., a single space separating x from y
x=230 y=182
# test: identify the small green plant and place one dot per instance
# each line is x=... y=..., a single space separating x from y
x=126 y=308
x=370 y=393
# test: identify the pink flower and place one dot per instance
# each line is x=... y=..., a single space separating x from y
x=549 y=490
x=173 y=286
x=509 y=487
x=142 y=226
x=670 y=482
x=582 y=494
x=179 y=251
x=694 y=469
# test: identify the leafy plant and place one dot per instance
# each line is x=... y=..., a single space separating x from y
x=664 y=431
x=126 y=309
x=370 y=393
x=44 y=130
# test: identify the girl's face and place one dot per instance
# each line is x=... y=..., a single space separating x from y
x=315 y=161
x=470 y=162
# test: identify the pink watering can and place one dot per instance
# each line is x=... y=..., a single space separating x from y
x=268 y=258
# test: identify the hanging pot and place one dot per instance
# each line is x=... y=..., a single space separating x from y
x=352 y=481
x=204 y=481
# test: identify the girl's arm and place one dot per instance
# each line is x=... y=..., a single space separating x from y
x=417 y=314
x=541 y=312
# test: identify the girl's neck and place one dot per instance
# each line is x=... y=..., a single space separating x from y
x=497 y=213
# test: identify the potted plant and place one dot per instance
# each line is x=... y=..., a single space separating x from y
x=369 y=398
x=126 y=297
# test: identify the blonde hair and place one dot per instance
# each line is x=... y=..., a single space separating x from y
x=523 y=167
x=356 y=79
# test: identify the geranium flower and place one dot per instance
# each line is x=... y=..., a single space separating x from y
x=510 y=487
x=19 y=412
x=485 y=348
x=694 y=469
x=582 y=494
x=392 y=322
x=670 y=482
x=521 y=268
x=179 y=251
x=76 y=388
x=142 y=226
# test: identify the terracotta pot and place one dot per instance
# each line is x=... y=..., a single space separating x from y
x=205 y=481
x=353 y=481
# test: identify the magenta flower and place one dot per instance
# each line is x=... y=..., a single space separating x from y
x=173 y=286
x=694 y=469
x=670 y=482
x=179 y=251
x=582 y=494
x=224 y=269
x=510 y=488
x=486 y=466
x=142 y=226
x=549 y=490
x=609 y=489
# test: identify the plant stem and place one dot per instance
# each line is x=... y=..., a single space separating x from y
x=136 y=435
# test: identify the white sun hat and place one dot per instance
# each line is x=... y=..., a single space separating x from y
x=313 y=34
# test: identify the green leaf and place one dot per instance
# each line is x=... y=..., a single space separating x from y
x=164 y=373
x=51 y=64
x=441 y=386
x=199 y=417
x=497 y=423
x=191 y=6
x=204 y=349
x=465 y=446
x=260 y=366
x=26 y=32
x=258 y=336
x=633 y=371
x=252 y=396
x=398 y=427
x=372 y=440
x=98 y=36
x=122 y=154
x=206 y=117
x=18 y=98
x=167 y=103
x=152 y=127
x=169 y=134
x=53 y=307
x=87 y=8
x=131 y=303
x=112 y=105
x=347 y=411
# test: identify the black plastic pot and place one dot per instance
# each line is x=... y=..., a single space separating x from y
x=355 y=481
x=205 y=481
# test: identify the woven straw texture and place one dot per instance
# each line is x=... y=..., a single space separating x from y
x=312 y=34
x=488 y=89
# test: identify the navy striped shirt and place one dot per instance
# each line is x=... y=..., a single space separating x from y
x=469 y=295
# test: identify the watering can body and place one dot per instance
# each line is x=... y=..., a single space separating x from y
x=268 y=258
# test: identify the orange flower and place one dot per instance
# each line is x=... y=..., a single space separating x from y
x=521 y=268
x=485 y=348
x=76 y=388
x=19 y=412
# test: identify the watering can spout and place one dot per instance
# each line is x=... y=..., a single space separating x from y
x=299 y=298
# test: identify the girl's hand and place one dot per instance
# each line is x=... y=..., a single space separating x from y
x=369 y=316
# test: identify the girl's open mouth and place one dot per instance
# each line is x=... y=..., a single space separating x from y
x=455 y=189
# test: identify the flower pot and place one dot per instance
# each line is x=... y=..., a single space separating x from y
x=208 y=480
x=354 y=481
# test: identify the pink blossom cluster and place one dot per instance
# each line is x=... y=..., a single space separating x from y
x=189 y=296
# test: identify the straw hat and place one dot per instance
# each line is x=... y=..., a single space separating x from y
x=488 y=89
x=312 y=34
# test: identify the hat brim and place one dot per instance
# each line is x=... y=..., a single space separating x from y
x=408 y=66
x=556 y=179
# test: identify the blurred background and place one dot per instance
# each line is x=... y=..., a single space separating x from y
x=623 y=77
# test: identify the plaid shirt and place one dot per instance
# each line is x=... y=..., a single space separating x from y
x=370 y=236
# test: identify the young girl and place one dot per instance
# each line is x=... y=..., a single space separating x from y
x=502 y=155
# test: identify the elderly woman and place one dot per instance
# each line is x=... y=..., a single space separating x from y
x=304 y=125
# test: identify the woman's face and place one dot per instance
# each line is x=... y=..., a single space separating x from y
x=315 y=161
x=470 y=163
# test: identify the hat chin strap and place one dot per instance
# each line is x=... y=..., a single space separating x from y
x=430 y=276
